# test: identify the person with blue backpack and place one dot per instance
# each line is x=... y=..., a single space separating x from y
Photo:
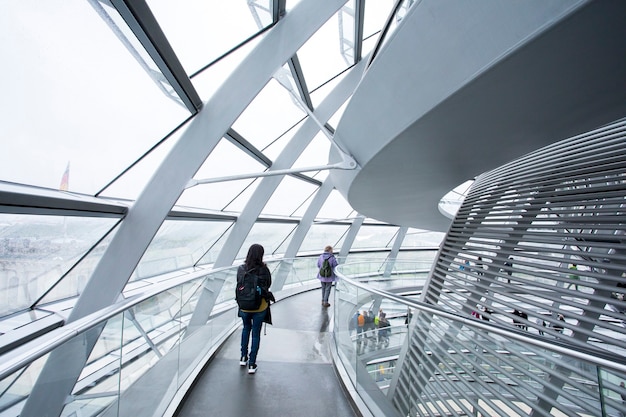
x=326 y=264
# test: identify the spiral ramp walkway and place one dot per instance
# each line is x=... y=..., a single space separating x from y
x=295 y=375
x=509 y=248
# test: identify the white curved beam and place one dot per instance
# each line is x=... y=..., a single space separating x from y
x=165 y=187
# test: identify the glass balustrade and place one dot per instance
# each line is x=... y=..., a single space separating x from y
x=457 y=364
x=147 y=350
x=453 y=364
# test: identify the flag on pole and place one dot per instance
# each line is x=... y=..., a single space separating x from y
x=65 y=180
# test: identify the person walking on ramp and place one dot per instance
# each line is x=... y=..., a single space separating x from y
x=253 y=297
x=326 y=264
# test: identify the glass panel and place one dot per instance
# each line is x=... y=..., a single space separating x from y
x=423 y=258
x=415 y=238
x=243 y=197
x=274 y=149
x=200 y=31
x=372 y=340
x=212 y=78
x=375 y=237
x=320 y=56
x=369 y=44
x=224 y=161
x=177 y=245
x=291 y=195
x=346 y=17
x=131 y=183
x=315 y=154
x=35 y=251
x=17 y=387
x=79 y=67
x=151 y=337
x=321 y=235
x=376 y=13
x=299 y=271
x=319 y=93
x=75 y=280
x=216 y=247
x=98 y=384
x=271 y=113
x=335 y=207
x=461 y=366
x=269 y=235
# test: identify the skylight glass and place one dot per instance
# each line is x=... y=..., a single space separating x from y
x=322 y=234
x=76 y=96
x=226 y=160
x=200 y=31
x=270 y=235
x=320 y=56
x=179 y=244
x=86 y=110
x=271 y=113
x=291 y=194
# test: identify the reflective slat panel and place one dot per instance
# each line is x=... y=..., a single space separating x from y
x=538 y=247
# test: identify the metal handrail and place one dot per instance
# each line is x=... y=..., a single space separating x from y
x=599 y=358
x=35 y=349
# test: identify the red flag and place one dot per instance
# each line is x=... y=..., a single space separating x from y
x=65 y=180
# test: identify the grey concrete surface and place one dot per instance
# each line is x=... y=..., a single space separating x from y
x=295 y=376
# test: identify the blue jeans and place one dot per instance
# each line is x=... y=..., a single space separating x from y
x=251 y=322
x=326 y=286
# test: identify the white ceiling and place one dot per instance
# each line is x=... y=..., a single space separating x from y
x=448 y=99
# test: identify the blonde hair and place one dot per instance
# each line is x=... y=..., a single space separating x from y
x=328 y=248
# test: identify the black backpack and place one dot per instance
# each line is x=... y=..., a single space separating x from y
x=326 y=270
x=248 y=291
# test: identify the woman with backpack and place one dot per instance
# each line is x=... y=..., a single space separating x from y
x=253 y=273
x=326 y=264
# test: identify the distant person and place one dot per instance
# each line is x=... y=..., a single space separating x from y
x=542 y=323
x=524 y=317
x=480 y=267
x=409 y=316
x=360 y=326
x=573 y=276
x=558 y=326
x=516 y=322
x=326 y=273
x=383 y=330
x=509 y=271
x=253 y=319
x=486 y=313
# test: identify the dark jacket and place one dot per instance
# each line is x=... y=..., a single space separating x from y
x=265 y=282
x=263 y=272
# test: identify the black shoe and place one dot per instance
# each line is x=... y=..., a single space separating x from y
x=243 y=361
x=252 y=368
